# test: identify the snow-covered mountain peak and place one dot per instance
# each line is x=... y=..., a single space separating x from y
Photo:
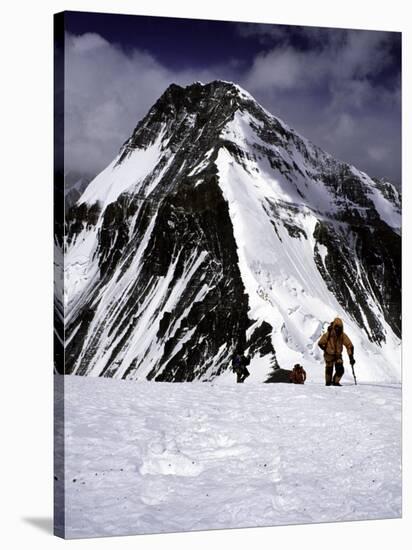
x=198 y=119
x=218 y=227
x=189 y=119
x=203 y=118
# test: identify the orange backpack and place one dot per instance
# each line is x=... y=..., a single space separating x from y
x=298 y=375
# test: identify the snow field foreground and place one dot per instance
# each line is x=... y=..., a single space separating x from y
x=158 y=457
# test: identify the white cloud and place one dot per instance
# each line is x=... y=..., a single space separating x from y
x=324 y=92
x=108 y=91
x=346 y=126
x=279 y=68
x=378 y=152
x=88 y=42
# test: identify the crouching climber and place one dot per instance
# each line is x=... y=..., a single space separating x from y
x=298 y=375
x=331 y=343
x=239 y=367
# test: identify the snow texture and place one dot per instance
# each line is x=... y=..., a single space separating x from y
x=143 y=458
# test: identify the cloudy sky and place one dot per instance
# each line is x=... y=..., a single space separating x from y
x=339 y=88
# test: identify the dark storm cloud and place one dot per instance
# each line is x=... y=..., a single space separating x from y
x=339 y=88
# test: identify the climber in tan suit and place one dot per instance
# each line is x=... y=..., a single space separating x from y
x=332 y=342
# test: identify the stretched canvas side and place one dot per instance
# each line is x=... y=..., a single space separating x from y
x=58 y=348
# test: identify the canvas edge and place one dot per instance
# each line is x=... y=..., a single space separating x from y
x=58 y=317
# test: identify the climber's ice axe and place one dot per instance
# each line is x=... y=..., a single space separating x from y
x=354 y=375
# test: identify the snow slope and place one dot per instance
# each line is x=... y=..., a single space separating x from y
x=279 y=272
x=144 y=458
x=117 y=178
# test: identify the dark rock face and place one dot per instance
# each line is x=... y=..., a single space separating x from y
x=58 y=306
x=377 y=249
x=201 y=223
x=363 y=252
x=260 y=343
x=177 y=225
x=80 y=217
